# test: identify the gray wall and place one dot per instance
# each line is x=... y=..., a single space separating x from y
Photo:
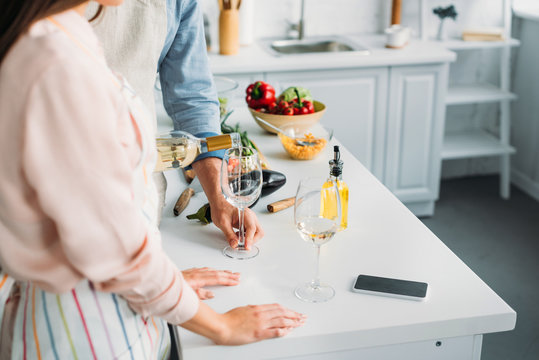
x=525 y=111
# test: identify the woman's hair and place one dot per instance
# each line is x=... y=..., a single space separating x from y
x=16 y=17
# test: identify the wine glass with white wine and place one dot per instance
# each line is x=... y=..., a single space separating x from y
x=317 y=216
x=241 y=184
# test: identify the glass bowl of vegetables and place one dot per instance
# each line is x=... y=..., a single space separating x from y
x=225 y=92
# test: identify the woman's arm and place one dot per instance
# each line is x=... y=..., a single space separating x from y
x=245 y=324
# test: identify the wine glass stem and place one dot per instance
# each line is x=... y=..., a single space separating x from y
x=316 y=280
x=241 y=242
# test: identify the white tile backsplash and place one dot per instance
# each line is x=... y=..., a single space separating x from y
x=329 y=17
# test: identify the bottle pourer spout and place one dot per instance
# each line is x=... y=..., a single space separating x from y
x=335 y=165
x=336 y=153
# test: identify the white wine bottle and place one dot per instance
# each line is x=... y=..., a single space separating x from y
x=179 y=149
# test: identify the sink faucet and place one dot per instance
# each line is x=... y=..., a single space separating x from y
x=300 y=26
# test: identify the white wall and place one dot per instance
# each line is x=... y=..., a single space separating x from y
x=324 y=17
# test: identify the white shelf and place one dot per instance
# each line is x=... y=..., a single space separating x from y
x=476 y=142
x=473 y=143
x=476 y=93
x=527 y=11
x=459 y=44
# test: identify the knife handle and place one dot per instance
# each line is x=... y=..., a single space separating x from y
x=189 y=175
x=281 y=204
x=183 y=201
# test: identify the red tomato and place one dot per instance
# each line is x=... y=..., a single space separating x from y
x=288 y=111
x=232 y=163
x=309 y=105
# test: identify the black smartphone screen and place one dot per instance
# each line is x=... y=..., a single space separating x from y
x=391 y=286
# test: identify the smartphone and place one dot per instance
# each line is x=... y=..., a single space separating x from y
x=402 y=289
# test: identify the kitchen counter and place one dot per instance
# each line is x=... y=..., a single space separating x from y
x=257 y=59
x=384 y=238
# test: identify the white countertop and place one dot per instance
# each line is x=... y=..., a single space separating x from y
x=384 y=238
x=256 y=59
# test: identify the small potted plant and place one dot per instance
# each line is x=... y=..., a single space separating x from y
x=443 y=13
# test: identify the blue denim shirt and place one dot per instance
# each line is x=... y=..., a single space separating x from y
x=189 y=93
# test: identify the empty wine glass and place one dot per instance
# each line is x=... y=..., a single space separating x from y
x=317 y=217
x=241 y=184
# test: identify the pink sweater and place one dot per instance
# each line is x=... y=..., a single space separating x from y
x=67 y=154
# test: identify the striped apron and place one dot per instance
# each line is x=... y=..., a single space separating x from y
x=85 y=323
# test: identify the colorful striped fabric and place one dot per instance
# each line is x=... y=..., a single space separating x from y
x=73 y=326
x=6 y=282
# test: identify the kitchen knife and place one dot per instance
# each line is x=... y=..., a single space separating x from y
x=281 y=204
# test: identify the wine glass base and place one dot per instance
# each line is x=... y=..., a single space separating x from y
x=240 y=254
x=308 y=292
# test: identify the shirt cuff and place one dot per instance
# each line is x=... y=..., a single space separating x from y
x=217 y=153
x=187 y=306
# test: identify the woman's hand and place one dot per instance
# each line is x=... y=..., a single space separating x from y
x=198 y=278
x=244 y=324
x=253 y=323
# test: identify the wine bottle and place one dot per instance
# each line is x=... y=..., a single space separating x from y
x=179 y=149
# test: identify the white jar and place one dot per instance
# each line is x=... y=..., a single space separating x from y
x=397 y=36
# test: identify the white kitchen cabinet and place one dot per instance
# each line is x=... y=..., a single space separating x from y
x=415 y=129
x=356 y=101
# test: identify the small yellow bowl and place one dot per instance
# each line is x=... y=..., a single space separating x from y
x=301 y=122
x=304 y=144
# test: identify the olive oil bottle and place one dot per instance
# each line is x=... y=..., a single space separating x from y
x=335 y=177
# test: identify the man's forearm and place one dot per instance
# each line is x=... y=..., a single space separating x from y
x=208 y=171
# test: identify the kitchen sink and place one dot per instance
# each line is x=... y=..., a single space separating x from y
x=313 y=45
